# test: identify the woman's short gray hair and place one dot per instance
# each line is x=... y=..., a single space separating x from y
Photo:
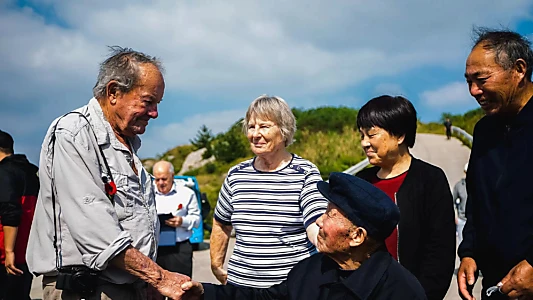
x=274 y=109
x=122 y=67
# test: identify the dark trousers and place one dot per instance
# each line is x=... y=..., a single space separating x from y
x=104 y=291
x=176 y=258
x=15 y=287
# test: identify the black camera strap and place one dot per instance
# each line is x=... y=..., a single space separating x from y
x=110 y=187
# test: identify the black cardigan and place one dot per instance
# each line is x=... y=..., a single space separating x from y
x=426 y=231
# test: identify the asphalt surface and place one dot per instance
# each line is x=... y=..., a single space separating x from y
x=450 y=155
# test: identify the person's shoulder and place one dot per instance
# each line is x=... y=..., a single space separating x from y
x=244 y=165
x=425 y=172
x=303 y=165
x=426 y=167
x=405 y=280
x=6 y=169
x=72 y=122
x=485 y=124
x=311 y=269
x=313 y=261
x=367 y=173
x=181 y=189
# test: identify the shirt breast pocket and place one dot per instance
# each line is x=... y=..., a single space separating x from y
x=123 y=198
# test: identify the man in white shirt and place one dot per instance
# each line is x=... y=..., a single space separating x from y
x=181 y=202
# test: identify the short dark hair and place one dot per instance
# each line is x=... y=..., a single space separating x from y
x=123 y=67
x=507 y=45
x=6 y=142
x=396 y=115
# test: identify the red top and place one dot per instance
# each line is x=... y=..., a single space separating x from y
x=391 y=186
x=23 y=233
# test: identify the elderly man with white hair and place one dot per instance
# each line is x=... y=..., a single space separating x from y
x=181 y=203
x=94 y=232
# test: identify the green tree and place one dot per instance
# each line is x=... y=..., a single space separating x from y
x=203 y=139
x=231 y=145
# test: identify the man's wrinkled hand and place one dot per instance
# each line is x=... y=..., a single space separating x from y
x=519 y=282
x=174 y=222
x=466 y=277
x=193 y=290
x=10 y=264
x=220 y=274
x=170 y=284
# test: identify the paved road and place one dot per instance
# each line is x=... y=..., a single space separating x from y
x=450 y=155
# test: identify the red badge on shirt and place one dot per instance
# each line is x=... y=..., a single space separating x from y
x=110 y=188
x=180 y=206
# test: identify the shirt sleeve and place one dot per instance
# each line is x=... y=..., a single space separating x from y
x=10 y=207
x=312 y=203
x=192 y=219
x=224 y=208
x=84 y=207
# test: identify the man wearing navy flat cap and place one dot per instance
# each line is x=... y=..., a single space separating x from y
x=353 y=262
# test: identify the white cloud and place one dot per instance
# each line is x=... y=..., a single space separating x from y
x=299 y=49
x=160 y=138
x=451 y=95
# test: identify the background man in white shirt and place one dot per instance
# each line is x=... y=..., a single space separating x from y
x=181 y=202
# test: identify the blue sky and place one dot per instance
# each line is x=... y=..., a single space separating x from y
x=220 y=55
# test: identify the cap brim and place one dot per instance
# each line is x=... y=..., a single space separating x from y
x=323 y=188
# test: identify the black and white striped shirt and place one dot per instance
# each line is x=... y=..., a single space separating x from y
x=270 y=212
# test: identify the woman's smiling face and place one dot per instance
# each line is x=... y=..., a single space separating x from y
x=264 y=136
x=379 y=144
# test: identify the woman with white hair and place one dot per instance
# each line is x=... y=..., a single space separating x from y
x=271 y=201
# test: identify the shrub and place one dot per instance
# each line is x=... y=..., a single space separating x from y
x=231 y=145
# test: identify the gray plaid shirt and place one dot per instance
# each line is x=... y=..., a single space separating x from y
x=91 y=231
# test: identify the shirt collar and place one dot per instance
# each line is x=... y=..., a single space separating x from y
x=172 y=190
x=104 y=132
x=363 y=280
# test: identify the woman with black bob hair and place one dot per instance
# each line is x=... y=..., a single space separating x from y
x=424 y=240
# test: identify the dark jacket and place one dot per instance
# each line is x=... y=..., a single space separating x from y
x=317 y=278
x=19 y=186
x=499 y=229
x=426 y=231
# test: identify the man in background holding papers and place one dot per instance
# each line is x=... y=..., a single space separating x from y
x=181 y=202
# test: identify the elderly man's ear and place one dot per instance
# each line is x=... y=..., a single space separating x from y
x=358 y=236
x=112 y=91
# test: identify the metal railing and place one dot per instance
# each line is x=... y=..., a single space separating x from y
x=462 y=132
x=358 y=167
x=364 y=163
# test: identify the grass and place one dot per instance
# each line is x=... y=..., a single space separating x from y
x=330 y=151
